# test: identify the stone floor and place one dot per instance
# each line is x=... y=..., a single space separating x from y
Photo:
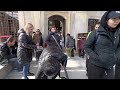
x=75 y=67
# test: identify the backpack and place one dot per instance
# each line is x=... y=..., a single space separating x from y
x=96 y=36
x=96 y=39
x=71 y=41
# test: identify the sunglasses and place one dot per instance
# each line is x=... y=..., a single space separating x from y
x=96 y=27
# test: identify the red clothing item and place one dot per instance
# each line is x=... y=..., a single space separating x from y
x=80 y=43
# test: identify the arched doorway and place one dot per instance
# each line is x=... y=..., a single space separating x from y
x=59 y=22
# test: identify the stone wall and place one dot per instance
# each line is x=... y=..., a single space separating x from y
x=76 y=21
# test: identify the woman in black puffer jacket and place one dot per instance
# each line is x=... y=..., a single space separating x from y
x=25 y=48
x=51 y=57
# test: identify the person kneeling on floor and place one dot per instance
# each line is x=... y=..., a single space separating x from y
x=50 y=63
x=6 y=53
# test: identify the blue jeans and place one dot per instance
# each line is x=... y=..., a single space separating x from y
x=26 y=69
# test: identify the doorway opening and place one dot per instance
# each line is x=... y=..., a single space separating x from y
x=59 y=22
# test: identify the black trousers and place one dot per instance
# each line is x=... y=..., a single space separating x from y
x=81 y=52
x=72 y=53
x=64 y=63
x=96 y=72
x=87 y=63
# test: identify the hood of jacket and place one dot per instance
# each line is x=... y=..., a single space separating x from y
x=106 y=16
x=20 y=31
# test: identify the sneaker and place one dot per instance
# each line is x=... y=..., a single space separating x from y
x=25 y=78
x=30 y=74
x=69 y=57
x=63 y=78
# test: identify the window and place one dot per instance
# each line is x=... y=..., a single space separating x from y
x=91 y=24
x=9 y=24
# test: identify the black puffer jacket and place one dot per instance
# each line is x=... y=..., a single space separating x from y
x=103 y=51
x=14 y=48
x=50 y=51
x=50 y=41
x=5 y=52
x=25 y=47
x=53 y=51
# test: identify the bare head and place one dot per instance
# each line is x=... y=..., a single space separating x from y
x=53 y=29
x=97 y=25
x=10 y=41
x=29 y=28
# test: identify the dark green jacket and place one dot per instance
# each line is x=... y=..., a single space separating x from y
x=103 y=51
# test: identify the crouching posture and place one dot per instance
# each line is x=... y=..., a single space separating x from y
x=50 y=63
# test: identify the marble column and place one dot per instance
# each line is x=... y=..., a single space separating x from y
x=72 y=23
x=79 y=23
x=29 y=17
x=21 y=17
x=43 y=24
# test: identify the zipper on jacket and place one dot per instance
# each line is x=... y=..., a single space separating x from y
x=114 y=40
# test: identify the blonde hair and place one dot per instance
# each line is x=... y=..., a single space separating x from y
x=27 y=26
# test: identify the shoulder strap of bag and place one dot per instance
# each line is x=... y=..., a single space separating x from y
x=57 y=42
x=96 y=36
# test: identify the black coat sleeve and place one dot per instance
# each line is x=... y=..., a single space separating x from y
x=67 y=42
x=14 y=48
x=41 y=41
x=5 y=55
x=24 y=43
x=74 y=44
x=89 y=44
x=47 y=40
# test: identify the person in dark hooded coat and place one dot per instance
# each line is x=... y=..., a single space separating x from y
x=87 y=57
x=103 y=50
x=50 y=63
x=52 y=58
